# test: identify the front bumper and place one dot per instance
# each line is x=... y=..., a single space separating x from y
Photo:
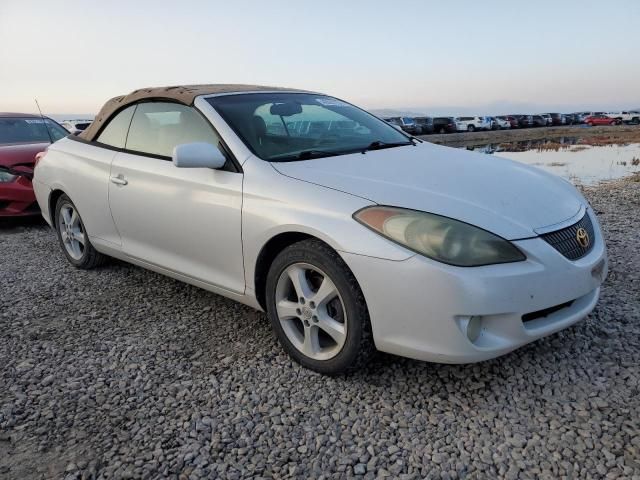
x=422 y=309
x=17 y=199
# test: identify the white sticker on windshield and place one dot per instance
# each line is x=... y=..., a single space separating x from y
x=331 y=102
x=37 y=120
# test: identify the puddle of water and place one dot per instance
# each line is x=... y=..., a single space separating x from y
x=582 y=161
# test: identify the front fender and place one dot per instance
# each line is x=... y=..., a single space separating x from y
x=274 y=204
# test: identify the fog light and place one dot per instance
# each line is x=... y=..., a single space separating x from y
x=474 y=327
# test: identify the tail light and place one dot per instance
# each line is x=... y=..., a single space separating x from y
x=39 y=156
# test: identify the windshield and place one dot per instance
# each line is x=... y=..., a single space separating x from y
x=282 y=126
x=29 y=130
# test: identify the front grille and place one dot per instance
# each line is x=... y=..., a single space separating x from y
x=566 y=241
x=527 y=317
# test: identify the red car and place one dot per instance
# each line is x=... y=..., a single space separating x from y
x=600 y=120
x=22 y=136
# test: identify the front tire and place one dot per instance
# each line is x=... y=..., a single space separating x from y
x=471 y=128
x=73 y=236
x=317 y=309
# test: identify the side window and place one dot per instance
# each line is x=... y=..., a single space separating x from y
x=157 y=127
x=115 y=133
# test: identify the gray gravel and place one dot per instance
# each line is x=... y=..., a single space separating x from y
x=122 y=373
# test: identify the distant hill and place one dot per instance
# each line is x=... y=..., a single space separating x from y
x=389 y=112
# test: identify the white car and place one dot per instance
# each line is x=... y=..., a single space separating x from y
x=626 y=116
x=351 y=239
x=471 y=124
x=76 y=126
x=502 y=123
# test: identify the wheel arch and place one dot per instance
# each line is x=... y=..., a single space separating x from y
x=269 y=252
x=54 y=195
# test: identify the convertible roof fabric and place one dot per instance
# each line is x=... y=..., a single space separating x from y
x=184 y=94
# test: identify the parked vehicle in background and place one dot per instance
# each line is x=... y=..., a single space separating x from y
x=425 y=124
x=76 y=126
x=556 y=119
x=444 y=125
x=601 y=119
x=547 y=118
x=539 y=121
x=501 y=122
x=592 y=114
x=625 y=117
x=350 y=241
x=524 y=121
x=571 y=118
x=580 y=116
x=471 y=124
x=22 y=136
x=513 y=121
x=407 y=124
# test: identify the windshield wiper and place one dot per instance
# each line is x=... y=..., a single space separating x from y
x=379 y=145
x=306 y=155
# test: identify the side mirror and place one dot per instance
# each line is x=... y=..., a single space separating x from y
x=198 y=155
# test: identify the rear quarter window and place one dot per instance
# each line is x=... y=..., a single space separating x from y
x=114 y=133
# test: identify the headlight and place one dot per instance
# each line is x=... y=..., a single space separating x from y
x=6 y=177
x=439 y=238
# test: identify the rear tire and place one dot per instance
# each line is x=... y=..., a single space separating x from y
x=471 y=128
x=73 y=237
x=317 y=309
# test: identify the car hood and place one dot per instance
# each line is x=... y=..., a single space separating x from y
x=507 y=198
x=20 y=153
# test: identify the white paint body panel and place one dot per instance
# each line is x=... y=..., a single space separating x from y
x=184 y=219
x=82 y=172
x=505 y=197
x=437 y=299
x=208 y=227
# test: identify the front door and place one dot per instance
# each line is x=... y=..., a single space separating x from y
x=186 y=220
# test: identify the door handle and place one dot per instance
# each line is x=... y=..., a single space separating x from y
x=119 y=180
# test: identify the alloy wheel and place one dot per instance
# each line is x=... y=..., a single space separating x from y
x=71 y=231
x=311 y=311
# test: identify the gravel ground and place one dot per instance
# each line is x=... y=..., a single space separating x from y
x=123 y=373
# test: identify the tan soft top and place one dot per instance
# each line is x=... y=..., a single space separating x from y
x=184 y=94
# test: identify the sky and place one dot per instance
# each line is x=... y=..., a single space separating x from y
x=438 y=57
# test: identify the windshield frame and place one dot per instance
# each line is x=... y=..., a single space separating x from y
x=293 y=156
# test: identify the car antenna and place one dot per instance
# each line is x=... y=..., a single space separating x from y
x=44 y=121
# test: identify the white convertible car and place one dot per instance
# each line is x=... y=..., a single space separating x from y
x=351 y=235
